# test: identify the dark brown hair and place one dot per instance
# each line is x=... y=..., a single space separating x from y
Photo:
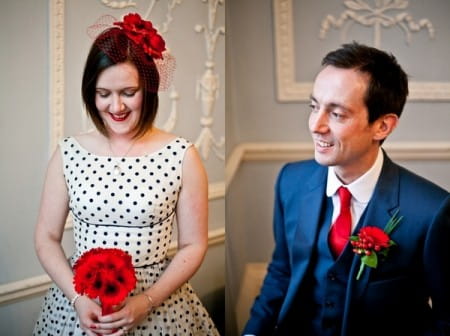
x=388 y=83
x=110 y=48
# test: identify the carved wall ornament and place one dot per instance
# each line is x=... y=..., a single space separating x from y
x=171 y=4
x=290 y=89
x=361 y=12
x=164 y=27
x=171 y=121
x=56 y=72
x=208 y=85
x=118 y=4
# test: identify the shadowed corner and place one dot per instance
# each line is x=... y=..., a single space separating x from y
x=215 y=305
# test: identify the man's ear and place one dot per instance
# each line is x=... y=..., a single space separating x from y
x=384 y=126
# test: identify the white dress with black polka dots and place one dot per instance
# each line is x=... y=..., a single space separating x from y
x=132 y=209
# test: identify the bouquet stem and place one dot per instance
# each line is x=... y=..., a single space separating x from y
x=107 y=309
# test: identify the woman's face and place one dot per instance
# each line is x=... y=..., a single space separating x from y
x=118 y=99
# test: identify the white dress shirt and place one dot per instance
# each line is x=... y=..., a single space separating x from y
x=361 y=189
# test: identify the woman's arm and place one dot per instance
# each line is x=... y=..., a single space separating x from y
x=50 y=226
x=48 y=234
x=192 y=221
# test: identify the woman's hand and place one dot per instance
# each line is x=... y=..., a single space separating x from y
x=89 y=312
x=134 y=310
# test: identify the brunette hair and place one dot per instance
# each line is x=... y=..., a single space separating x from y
x=110 y=48
x=388 y=83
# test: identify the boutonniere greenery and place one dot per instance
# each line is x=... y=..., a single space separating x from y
x=372 y=242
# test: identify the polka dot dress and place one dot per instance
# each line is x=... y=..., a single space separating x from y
x=127 y=203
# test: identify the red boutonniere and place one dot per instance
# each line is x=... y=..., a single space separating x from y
x=142 y=33
x=106 y=274
x=371 y=242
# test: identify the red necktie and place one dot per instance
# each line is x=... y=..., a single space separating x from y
x=341 y=229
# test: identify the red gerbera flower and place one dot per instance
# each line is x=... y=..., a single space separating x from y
x=106 y=274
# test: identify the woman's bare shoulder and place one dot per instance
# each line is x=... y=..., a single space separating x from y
x=160 y=136
x=92 y=141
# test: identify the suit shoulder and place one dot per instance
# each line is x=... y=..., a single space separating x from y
x=412 y=178
x=299 y=167
x=411 y=183
x=299 y=171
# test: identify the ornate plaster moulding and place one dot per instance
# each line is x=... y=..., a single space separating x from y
x=290 y=90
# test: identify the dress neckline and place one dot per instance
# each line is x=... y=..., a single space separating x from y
x=156 y=152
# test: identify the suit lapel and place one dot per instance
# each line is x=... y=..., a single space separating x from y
x=381 y=207
x=310 y=206
x=309 y=210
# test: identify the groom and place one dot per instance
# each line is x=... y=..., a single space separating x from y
x=311 y=287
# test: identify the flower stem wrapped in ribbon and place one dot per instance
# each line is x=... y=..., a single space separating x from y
x=106 y=274
x=371 y=242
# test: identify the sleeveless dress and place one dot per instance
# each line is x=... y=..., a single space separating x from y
x=128 y=204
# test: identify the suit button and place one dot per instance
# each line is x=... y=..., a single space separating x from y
x=332 y=276
x=328 y=324
x=329 y=304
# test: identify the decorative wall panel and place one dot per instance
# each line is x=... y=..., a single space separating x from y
x=290 y=89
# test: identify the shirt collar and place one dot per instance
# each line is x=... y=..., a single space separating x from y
x=362 y=188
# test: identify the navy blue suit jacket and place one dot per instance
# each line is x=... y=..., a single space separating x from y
x=417 y=269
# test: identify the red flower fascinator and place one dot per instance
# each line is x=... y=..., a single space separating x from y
x=106 y=274
x=142 y=33
x=136 y=40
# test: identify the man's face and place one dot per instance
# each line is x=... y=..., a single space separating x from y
x=339 y=123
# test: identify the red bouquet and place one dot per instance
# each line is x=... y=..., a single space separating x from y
x=372 y=241
x=106 y=274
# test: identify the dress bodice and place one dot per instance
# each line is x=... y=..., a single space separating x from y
x=132 y=208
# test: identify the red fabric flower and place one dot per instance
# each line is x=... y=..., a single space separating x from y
x=372 y=237
x=106 y=274
x=143 y=34
x=371 y=241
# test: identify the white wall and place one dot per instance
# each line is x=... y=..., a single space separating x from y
x=44 y=46
x=265 y=131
